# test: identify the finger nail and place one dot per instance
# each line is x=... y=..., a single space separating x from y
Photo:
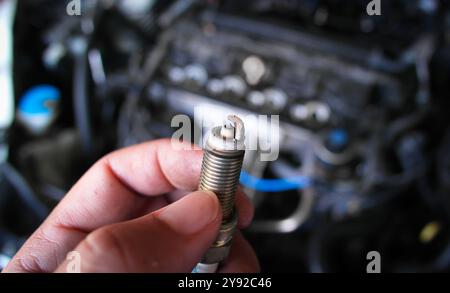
x=191 y=214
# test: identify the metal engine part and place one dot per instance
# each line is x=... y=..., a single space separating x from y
x=221 y=168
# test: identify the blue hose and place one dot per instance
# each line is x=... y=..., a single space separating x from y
x=274 y=185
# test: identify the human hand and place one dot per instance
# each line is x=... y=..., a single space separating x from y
x=132 y=212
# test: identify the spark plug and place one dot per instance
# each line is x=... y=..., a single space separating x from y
x=221 y=168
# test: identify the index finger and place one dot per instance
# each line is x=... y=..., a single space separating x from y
x=110 y=192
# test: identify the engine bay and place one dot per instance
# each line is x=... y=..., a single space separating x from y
x=362 y=103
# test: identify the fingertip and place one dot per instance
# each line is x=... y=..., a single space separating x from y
x=156 y=167
x=185 y=155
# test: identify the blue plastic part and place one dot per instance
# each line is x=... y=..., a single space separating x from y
x=338 y=138
x=274 y=185
x=35 y=100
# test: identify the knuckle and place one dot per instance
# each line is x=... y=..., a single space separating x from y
x=30 y=264
x=35 y=260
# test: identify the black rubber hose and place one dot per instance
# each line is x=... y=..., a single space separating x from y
x=24 y=191
x=81 y=101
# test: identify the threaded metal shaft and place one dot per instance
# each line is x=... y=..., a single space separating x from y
x=220 y=174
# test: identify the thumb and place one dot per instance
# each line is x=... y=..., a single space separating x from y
x=172 y=239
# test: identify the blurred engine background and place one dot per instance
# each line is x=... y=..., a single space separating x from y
x=363 y=102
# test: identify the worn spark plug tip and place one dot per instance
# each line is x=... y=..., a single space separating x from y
x=233 y=128
x=229 y=137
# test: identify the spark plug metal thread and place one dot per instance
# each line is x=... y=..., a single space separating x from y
x=221 y=168
x=220 y=174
